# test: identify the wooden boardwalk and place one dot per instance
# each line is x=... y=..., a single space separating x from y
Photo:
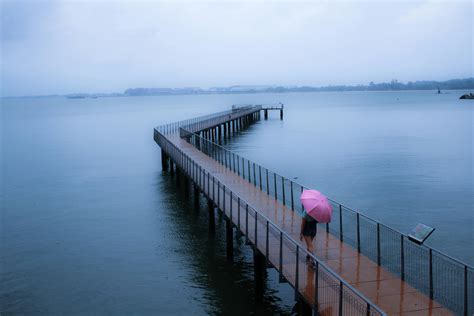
x=235 y=196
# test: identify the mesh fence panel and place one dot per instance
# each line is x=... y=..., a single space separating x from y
x=448 y=283
x=352 y=305
x=368 y=238
x=416 y=266
x=288 y=188
x=390 y=253
x=279 y=187
x=334 y=226
x=349 y=227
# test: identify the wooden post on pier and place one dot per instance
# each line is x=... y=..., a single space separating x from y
x=265 y=114
x=259 y=268
x=229 y=239
x=281 y=114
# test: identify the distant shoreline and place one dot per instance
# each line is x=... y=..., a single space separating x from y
x=394 y=85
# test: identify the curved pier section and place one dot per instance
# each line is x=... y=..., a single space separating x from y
x=362 y=267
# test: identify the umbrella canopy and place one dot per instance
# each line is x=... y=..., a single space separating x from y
x=316 y=205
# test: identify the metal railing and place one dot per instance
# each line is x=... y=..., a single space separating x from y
x=187 y=130
x=328 y=288
x=198 y=123
x=448 y=281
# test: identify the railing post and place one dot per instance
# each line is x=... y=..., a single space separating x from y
x=316 y=289
x=238 y=166
x=233 y=161
x=223 y=198
x=218 y=194
x=283 y=190
x=231 y=202
x=256 y=244
x=260 y=176
x=340 y=298
x=292 y=199
x=341 y=235
x=430 y=255
x=465 y=291
x=358 y=232
x=247 y=222
x=248 y=167
x=402 y=258
x=267 y=242
x=254 y=178
x=302 y=206
x=280 y=263
x=275 y=185
x=378 y=243
x=368 y=309
x=238 y=213
x=297 y=272
x=268 y=187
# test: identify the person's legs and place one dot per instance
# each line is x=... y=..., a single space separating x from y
x=309 y=243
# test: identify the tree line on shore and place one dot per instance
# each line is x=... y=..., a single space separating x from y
x=394 y=85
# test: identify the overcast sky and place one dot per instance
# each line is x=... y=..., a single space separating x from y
x=51 y=47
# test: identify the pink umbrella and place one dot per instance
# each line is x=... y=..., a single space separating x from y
x=316 y=205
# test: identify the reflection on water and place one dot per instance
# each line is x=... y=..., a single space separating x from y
x=229 y=287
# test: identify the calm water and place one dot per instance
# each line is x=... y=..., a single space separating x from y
x=89 y=223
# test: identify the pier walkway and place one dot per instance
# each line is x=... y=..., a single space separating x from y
x=348 y=277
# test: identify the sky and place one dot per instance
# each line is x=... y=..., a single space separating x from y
x=60 y=46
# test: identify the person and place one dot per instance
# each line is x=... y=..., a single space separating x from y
x=308 y=232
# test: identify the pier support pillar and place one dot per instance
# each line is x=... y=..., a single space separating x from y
x=212 y=219
x=229 y=239
x=171 y=167
x=281 y=114
x=265 y=114
x=196 y=196
x=164 y=160
x=186 y=185
x=178 y=175
x=259 y=268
